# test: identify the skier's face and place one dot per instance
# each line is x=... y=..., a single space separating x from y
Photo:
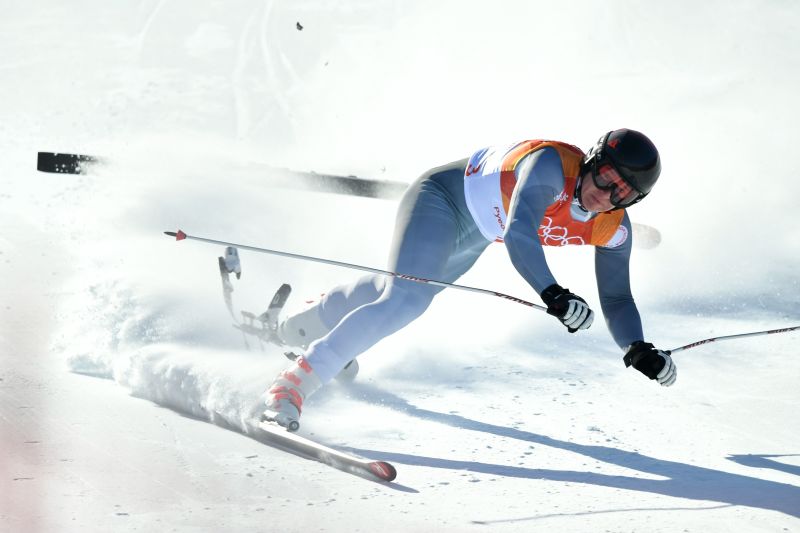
x=593 y=198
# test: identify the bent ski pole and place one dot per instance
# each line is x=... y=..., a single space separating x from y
x=729 y=337
x=180 y=235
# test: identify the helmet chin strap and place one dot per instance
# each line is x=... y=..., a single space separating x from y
x=577 y=193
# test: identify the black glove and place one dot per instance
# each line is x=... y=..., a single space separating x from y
x=571 y=310
x=652 y=362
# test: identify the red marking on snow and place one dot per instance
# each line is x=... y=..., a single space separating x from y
x=180 y=235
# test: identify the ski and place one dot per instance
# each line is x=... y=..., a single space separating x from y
x=227 y=286
x=265 y=326
x=278 y=436
x=58 y=163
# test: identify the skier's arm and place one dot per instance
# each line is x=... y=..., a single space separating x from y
x=540 y=179
x=622 y=317
x=613 y=283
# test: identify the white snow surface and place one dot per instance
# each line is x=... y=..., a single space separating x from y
x=125 y=392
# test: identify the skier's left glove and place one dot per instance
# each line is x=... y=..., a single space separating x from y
x=652 y=362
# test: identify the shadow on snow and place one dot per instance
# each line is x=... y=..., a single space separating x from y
x=683 y=480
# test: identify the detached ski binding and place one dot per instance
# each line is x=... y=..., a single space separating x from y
x=263 y=326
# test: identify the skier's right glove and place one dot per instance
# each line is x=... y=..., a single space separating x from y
x=652 y=362
x=571 y=310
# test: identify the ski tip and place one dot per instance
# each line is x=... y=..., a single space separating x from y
x=383 y=470
x=179 y=235
x=60 y=163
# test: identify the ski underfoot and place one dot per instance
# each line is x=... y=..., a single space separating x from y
x=277 y=435
x=264 y=327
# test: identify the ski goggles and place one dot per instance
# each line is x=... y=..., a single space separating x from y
x=607 y=178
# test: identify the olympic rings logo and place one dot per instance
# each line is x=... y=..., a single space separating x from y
x=556 y=235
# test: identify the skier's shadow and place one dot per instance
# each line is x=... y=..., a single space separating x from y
x=682 y=480
x=767 y=461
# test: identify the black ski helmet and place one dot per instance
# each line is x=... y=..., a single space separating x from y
x=632 y=154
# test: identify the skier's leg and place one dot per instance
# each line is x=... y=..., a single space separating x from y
x=303 y=328
x=427 y=237
x=313 y=323
x=435 y=239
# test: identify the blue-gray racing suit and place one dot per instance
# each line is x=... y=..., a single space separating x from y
x=436 y=237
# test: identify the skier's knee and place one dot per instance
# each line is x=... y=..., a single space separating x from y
x=303 y=328
x=343 y=299
x=413 y=298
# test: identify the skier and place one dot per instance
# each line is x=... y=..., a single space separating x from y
x=527 y=195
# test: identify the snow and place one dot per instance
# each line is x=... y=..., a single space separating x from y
x=125 y=392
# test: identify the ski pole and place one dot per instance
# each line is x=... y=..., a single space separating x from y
x=180 y=235
x=729 y=337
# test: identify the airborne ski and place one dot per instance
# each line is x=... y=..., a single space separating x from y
x=60 y=163
x=293 y=443
x=265 y=326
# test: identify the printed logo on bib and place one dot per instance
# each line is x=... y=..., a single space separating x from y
x=551 y=235
x=618 y=239
x=561 y=197
x=474 y=170
x=498 y=214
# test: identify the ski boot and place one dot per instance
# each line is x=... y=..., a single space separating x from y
x=345 y=375
x=231 y=261
x=288 y=392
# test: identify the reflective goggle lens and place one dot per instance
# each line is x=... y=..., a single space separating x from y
x=607 y=178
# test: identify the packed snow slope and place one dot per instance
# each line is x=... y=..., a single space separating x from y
x=125 y=392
